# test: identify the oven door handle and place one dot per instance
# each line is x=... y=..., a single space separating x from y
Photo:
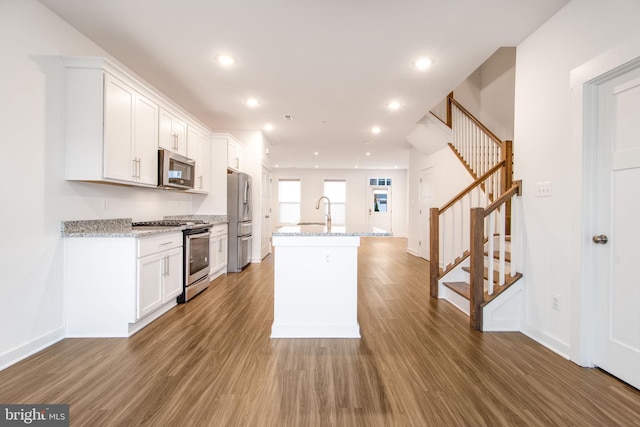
x=200 y=235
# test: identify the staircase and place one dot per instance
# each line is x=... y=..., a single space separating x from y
x=472 y=237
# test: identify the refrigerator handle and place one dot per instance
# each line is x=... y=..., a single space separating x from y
x=246 y=192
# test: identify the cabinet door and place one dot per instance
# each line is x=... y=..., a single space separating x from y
x=199 y=149
x=223 y=251
x=218 y=252
x=180 y=130
x=172 y=278
x=233 y=159
x=118 y=129
x=173 y=133
x=150 y=271
x=146 y=141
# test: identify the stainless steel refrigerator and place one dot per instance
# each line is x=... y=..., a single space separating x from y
x=239 y=189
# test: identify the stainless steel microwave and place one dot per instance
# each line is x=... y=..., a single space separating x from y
x=175 y=171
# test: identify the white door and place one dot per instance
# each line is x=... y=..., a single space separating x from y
x=379 y=210
x=426 y=202
x=266 y=212
x=617 y=230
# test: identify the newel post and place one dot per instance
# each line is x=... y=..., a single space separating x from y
x=477 y=267
x=434 y=251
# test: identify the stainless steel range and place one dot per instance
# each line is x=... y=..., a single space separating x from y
x=196 y=253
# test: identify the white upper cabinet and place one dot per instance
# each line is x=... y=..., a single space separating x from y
x=115 y=125
x=130 y=134
x=234 y=155
x=173 y=133
x=199 y=149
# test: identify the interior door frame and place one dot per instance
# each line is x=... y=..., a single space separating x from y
x=584 y=83
x=423 y=217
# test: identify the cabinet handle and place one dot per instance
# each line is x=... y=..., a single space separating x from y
x=138 y=168
x=166 y=243
x=166 y=263
x=134 y=168
x=201 y=182
x=175 y=141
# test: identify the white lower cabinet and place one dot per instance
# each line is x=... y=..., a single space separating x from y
x=159 y=280
x=114 y=286
x=218 y=250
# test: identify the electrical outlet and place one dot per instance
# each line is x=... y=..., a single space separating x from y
x=543 y=189
x=104 y=204
x=327 y=258
x=555 y=302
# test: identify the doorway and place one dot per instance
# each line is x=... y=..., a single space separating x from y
x=427 y=201
x=265 y=241
x=379 y=209
x=617 y=230
x=607 y=294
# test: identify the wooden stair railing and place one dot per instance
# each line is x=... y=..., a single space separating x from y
x=454 y=218
x=490 y=162
x=482 y=222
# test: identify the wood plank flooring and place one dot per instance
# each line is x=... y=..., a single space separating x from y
x=211 y=363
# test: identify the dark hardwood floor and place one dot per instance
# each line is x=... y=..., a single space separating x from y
x=211 y=363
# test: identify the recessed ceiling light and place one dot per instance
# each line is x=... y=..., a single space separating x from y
x=356 y=166
x=268 y=127
x=317 y=166
x=225 y=60
x=368 y=154
x=376 y=130
x=315 y=153
x=252 y=102
x=393 y=105
x=422 y=63
x=277 y=166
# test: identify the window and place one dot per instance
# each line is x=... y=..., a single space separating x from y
x=289 y=201
x=336 y=191
x=379 y=182
x=380 y=200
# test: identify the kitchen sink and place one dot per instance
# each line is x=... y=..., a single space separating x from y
x=311 y=223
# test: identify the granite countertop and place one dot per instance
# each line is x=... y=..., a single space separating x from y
x=121 y=227
x=321 y=230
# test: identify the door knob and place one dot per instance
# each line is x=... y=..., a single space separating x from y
x=601 y=239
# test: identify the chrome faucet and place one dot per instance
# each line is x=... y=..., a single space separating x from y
x=328 y=211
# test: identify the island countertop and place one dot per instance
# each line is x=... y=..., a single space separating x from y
x=321 y=230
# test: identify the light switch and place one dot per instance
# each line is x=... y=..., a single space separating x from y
x=543 y=189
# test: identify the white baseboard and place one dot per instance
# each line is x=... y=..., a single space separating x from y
x=553 y=344
x=347 y=330
x=22 y=352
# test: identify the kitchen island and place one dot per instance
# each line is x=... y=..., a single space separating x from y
x=316 y=282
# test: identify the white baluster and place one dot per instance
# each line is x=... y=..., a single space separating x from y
x=503 y=246
x=490 y=233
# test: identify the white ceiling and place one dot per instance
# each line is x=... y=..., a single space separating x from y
x=331 y=64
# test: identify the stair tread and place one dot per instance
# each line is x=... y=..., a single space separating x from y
x=464 y=288
x=496 y=275
x=461 y=288
x=496 y=255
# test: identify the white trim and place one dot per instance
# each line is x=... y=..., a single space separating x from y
x=14 y=356
x=584 y=81
x=553 y=344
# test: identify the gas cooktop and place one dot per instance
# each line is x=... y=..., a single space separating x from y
x=196 y=223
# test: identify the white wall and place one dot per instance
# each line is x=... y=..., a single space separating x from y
x=312 y=187
x=35 y=197
x=488 y=93
x=449 y=178
x=544 y=152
